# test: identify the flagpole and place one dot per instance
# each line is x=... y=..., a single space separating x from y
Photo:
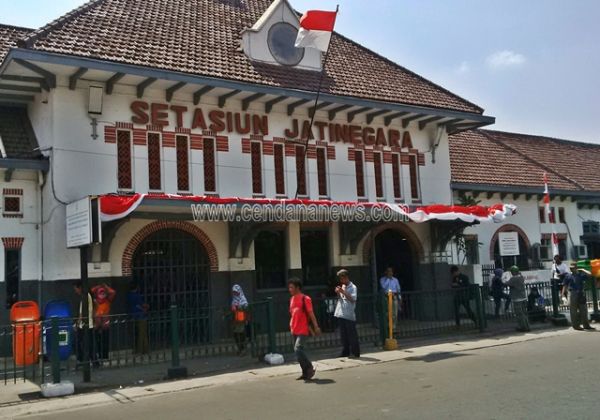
x=312 y=117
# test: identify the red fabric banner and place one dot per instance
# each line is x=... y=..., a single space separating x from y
x=318 y=20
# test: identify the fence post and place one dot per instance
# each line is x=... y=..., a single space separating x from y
x=175 y=371
x=380 y=302
x=271 y=323
x=479 y=307
x=557 y=318
x=596 y=314
x=54 y=356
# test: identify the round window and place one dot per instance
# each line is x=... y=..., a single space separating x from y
x=282 y=37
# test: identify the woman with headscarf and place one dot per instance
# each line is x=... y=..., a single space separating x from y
x=498 y=293
x=239 y=309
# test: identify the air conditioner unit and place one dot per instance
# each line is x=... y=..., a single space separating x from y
x=581 y=251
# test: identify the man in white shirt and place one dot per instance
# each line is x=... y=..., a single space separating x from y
x=559 y=269
x=390 y=283
x=345 y=314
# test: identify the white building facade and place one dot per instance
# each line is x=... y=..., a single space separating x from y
x=140 y=119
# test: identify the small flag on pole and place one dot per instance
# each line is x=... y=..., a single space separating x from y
x=315 y=30
x=550 y=214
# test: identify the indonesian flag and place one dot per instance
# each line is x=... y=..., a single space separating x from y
x=315 y=30
x=550 y=214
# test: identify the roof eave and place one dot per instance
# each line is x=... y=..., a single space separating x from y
x=27 y=164
x=104 y=65
x=519 y=189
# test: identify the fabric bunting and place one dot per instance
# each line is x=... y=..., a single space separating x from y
x=114 y=207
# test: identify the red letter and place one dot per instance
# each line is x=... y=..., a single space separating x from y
x=198 y=121
x=293 y=133
x=368 y=137
x=260 y=124
x=381 y=140
x=179 y=110
x=139 y=109
x=307 y=131
x=407 y=141
x=394 y=137
x=355 y=134
x=321 y=126
x=216 y=117
x=238 y=123
x=159 y=117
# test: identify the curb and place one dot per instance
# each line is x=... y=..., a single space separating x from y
x=133 y=394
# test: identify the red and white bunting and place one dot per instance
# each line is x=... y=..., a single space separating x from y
x=114 y=207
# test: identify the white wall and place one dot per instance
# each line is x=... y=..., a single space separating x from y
x=26 y=227
x=527 y=218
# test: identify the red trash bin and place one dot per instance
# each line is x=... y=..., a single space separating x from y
x=25 y=317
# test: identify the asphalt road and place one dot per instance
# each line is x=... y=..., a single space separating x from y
x=551 y=378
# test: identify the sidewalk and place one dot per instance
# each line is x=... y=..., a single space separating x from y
x=130 y=384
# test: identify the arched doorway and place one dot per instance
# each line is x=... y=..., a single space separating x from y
x=393 y=249
x=172 y=267
x=505 y=262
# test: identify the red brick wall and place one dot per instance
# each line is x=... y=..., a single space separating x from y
x=12 y=243
x=154 y=227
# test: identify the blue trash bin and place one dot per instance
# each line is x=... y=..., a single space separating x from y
x=59 y=309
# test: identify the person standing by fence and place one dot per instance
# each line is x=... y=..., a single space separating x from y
x=574 y=283
x=84 y=324
x=518 y=296
x=239 y=310
x=497 y=292
x=138 y=310
x=462 y=296
x=103 y=296
x=389 y=283
x=345 y=312
x=301 y=319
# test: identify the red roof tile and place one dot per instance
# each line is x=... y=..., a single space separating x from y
x=484 y=157
x=574 y=161
x=9 y=36
x=202 y=37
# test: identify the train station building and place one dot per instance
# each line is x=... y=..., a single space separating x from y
x=158 y=106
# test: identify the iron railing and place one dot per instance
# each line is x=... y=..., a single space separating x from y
x=206 y=332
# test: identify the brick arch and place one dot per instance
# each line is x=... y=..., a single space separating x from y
x=508 y=228
x=154 y=227
x=401 y=228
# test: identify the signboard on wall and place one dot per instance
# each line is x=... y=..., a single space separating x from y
x=83 y=222
x=509 y=244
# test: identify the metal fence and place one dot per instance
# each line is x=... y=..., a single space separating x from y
x=177 y=334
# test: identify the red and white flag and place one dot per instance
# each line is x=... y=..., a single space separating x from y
x=550 y=214
x=315 y=30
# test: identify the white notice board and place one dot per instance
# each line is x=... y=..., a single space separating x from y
x=509 y=244
x=79 y=223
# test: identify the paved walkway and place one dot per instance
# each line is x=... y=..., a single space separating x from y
x=134 y=383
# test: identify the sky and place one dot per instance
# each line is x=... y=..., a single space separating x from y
x=534 y=65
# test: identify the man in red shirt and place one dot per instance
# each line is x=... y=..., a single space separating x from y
x=301 y=311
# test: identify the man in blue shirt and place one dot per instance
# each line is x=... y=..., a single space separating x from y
x=574 y=283
x=389 y=283
x=138 y=310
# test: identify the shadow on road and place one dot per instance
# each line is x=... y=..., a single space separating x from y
x=435 y=357
x=321 y=381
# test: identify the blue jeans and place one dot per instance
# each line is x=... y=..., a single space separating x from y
x=299 y=343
